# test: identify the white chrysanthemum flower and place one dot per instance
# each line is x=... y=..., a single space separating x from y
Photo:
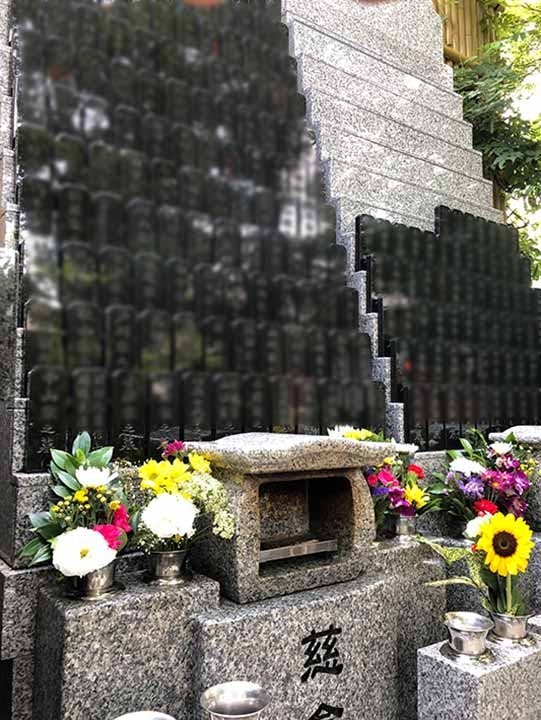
x=81 y=551
x=466 y=467
x=169 y=515
x=93 y=477
x=340 y=430
x=473 y=528
x=501 y=448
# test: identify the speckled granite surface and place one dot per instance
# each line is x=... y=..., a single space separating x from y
x=96 y=661
x=382 y=619
x=262 y=453
x=340 y=507
x=507 y=689
x=526 y=434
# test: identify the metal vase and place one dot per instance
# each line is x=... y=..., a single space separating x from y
x=145 y=715
x=167 y=568
x=510 y=627
x=406 y=527
x=95 y=585
x=241 y=700
x=468 y=632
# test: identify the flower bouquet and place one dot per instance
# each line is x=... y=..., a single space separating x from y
x=483 y=477
x=186 y=503
x=500 y=553
x=396 y=488
x=85 y=529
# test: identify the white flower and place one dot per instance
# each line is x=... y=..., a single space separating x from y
x=93 y=477
x=340 y=430
x=466 y=467
x=473 y=528
x=169 y=515
x=501 y=448
x=81 y=551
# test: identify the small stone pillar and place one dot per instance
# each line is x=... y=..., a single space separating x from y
x=506 y=688
x=303 y=512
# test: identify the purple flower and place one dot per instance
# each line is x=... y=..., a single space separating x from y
x=517 y=506
x=379 y=491
x=473 y=488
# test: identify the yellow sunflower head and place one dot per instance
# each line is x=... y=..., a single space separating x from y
x=507 y=544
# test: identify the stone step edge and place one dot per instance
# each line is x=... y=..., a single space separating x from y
x=437 y=65
x=292 y=19
x=415 y=104
x=310 y=92
x=319 y=126
x=453 y=199
x=369 y=208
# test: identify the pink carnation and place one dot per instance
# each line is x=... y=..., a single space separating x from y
x=173 y=448
x=121 y=518
x=111 y=533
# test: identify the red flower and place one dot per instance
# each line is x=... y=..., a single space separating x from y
x=485 y=506
x=417 y=470
x=372 y=480
x=111 y=533
x=387 y=478
x=121 y=518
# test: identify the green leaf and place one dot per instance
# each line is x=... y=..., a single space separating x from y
x=81 y=443
x=49 y=531
x=61 y=491
x=68 y=480
x=31 y=548
x=451 y=555
x=466 y=445
x=60 y=458
x=458 y=580
x=44 y=554
x=100 y=458
x=40 y=519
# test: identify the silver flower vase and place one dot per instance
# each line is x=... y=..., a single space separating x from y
x=167 y=568
x=468 y=632
x=235 y=700
x=95 y=585
x=406 y=528
x=510 y=627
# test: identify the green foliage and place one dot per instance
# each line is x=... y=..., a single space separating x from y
x=490 y=84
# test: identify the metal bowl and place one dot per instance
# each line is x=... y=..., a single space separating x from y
x=243 y=700
x=145 y=715
x=468 y=632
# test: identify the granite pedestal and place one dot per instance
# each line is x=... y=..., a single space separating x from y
x=342 y=651
x=133 y=651
x=506 y=688
x=291 y=486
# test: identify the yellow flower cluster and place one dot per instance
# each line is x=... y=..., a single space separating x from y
x=356 y=434
x=170 y=477
x=415 y=495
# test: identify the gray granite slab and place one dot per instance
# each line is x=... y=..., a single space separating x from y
x=262 y=453
x=525 y=434
x=507 y=688
x=364 y=91
x=415 y=19
x=346 y=55
x=132 y=651
x=382 y=620
x=357 y=186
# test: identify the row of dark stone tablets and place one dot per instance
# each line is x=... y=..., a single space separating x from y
x=136 y=411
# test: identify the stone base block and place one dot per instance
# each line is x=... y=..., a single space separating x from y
x=343 y=651
x=506 y=688
x=132 y=651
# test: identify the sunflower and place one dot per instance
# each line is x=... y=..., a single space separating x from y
x=507 y=542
